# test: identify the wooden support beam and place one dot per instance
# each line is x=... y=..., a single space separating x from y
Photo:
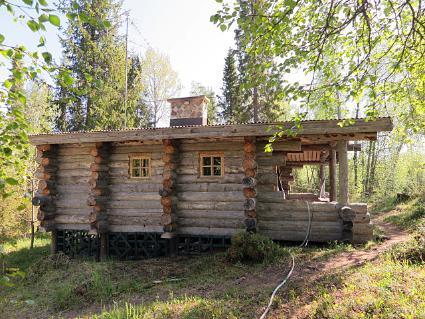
x=249 y=182
x=332 y=175
x=322 y=181
x=343 y=172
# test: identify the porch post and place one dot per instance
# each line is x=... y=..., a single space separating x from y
x=321 y=181
x=343 y=172
x=332 y=175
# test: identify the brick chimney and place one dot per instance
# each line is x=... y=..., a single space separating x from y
x=190 y=110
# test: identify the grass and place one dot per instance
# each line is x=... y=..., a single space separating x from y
x=210 y=286
x=411 y=215
x=392 y=287
x=389 y=289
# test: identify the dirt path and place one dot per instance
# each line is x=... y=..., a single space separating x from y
x=306 y=276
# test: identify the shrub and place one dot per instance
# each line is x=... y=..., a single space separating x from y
x=47 y=263
x=251 y=247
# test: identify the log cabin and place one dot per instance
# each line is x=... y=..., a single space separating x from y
x=138 y=193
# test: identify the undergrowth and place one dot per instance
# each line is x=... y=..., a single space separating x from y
x=253 y=248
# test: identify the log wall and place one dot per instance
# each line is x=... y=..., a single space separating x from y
x=134 y=204
x=210 y=205
x=86 y=190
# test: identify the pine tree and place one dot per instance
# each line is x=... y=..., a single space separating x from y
x=94 y=54
x=258 y=97
x=230 y=100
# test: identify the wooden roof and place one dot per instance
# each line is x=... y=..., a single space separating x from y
x=315 y=131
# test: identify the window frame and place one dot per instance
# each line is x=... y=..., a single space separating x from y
x=211 y=155
x=141 y=157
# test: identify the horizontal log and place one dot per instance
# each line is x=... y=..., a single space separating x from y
x=300 y=235
x=293 y=215
x=209 y=187
x=363 y=229
x=74 y=211
x=134 y=196
x=141 y=212
x=136 y=188
x=71 y=219
x=359 y=208
x=216 y=205
x=136 y=229
x=127 y=149
x=68 y=151
x=70 y=202
x=69 y=173
x=289 y=225
x=226 y=179
x=84 y=227
x=211 y=223
x=116 y=157
x=135 y=220
x=208 y=146
x=134 y=204
x=211 y=214
x=283 y=145
x=211 y=196
x=205 y=231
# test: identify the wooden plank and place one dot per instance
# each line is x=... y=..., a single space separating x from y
x=127 y=196
x=135 y=220
x=321 y=128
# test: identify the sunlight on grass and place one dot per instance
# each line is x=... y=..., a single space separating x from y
x=411 y=214
x=183 y=308
x=389 y=289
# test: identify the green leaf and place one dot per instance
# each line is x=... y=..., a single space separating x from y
x=1 y=38
x=47 y=56
x=28 y=2
x=33 y=25
x=43 y=18
x=11 y=181
x=21 y=207
x=54 y=19
x=43 y=3
x=223 y=27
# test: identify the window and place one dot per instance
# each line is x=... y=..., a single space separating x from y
x=211 y=165
x=140 y=166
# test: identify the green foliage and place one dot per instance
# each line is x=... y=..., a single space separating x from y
x=230 y=101
x=348 y=53
x=411 y=215
x=91 y=92
x=251 y=247
x=412 y=252
x=198 y=89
